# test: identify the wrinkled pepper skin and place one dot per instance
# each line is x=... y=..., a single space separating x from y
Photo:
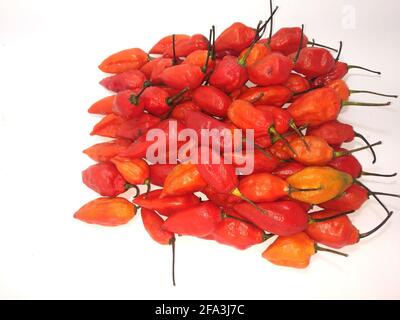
x=335 y=233
x=182 y=76
x=258 y=52
x=128 y=80
x=263 y=187
x=236 y=37
x=186 y=46
x=283 y=218
x=287 y=40
x=331 y=183
x=102 y=106
x=134 y=128
x=296 y=83
x=108 y=126
x=313 y=62
x=333 y=132
x=238 y=234
x=211 y=100
x=293 y=251
x=276 y=95
x=312 y=151
x=280 y=117
x=183 y=179
x=198 y=58
x=124 y=107
x=347 y=163
x=166 y=205
x=351 y=199
x=153 y=223
x=338 y=71
x=159 y=172
x=220 y=199
x=134 y=171
x=106 y=212
x=105 y=151
x=125 y=60
x=341 y=89
x=315 y=107
x=181 y=109
x=198 y=221
x=162 y=44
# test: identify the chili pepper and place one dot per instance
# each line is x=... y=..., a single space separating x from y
x=220 y=199
x=158 y=69
x=138 y=148
x=236 y=93
x=102 y=106
x=180 y=110
x=280 y=148
x=282 y=119
x=104 y=151
x=276 y=95
x=327 y=183
x=128 y=80
x=165 y=42
x=257 y=52
x=147 y=68
x=127 y=105
x=106 y=211
x=351 y=199
x=129 y=59
x=238 y=234
x=186 y=46
x=152 y=222
x=263 y=161
x=287 y=40
x=297 y=84
x=349 y=164
x=134 y=171
x=157 y=101
x=237 y=37
x=288 y=169
x=182 y=76
x=273 y=69
x=313 y=62
x=199 y=58
x=136 y=127
x=105 y=179
x=108 y=126
x=166 y=205
x=338 y=232
x=211 y=100
x=183 y=179
x=159 y=172
x=282 y=217
x=199 y=221
x=294 y=251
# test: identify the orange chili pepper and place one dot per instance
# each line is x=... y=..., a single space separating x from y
x=165 y=42
x=134 y=171
x=108 y=126
x=104 y=151
x=129 y=59
x=237 y=37
x=296 y=83
x=102 y=106
x=183 y=179
x=199 y=58
x=152 y=222
x=276 y=95
x=107 y=211
x=258 y=52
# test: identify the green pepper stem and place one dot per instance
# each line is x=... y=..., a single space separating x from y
x=292 y=125
x=375 y=93
x=318 y=248
x=373 y=174
x=362 y=68
x=272 y=131
x=179 y=95
x=370 y=193
x=134 y=98
x=359 y=135
x=209 y=52
x=365 y=104
x=338 y=154
x=134 y=186
x=148 y=185
x=236 y=192
x=313 y=43
x=366 y=234
x=300 y=46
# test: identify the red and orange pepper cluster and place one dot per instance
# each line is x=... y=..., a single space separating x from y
x=279 y=87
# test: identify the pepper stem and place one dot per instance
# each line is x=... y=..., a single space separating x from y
x=148 y=185
x=134 y=98
x=362 y=68
x=263 y=151
x=364 y=104
x=313 y=43
x=312 y=220
x=292 y=125
x=209 y=52
x=177 y=96
x=134 y=186
x=359 y=135
x=172 y=242
x=384 y=194
x=294 y=189
x=236 y=192
x=338 y=154
x=174 y=59
x=300 y=46
x=339 y=52
x=370 y=193
x=275 y=134
x=318 y=248
x=366 y=234
x=375 y=93
x=242 y=60
x=373 y=174
x=271 y=26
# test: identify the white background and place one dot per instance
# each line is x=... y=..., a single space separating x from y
x=49 y=52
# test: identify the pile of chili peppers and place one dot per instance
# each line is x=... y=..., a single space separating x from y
x=288 y=89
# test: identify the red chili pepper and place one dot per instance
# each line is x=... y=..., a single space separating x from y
x=181 y=109
x=199 y=221
x=211 y=100
x=157 y=101
x=313 y=62
x=257 y=52
x=237 y=37
x=182 y=76
x=108 y=126
x=129 y=59
x=199 y=58
x=351 y=199
x=148 y=67
x=281 y=218
x=127 y=105
x=128 y=80
x=102 y=106
x=238 y=234
x=104 y=151
x=220 y=199
x=270 y=70
x=166 y=205
x=153 y=223
x=134 y=171
x=136 y=127
x=105 y=179
x=276 y=95
x=287 y=40
x=165 y=42
x=280 y=149
x=184 y=47
x=297 y=84
x=158 y=68
x=159 y=172
x=107 y=212
x=333 y=132
x=282 y=119
x=264 y=161
x=288 y=169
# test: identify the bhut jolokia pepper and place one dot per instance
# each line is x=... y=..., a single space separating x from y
x=104 y=151
x=200 y=58
x=129 y=59
x=180 y=110
x=264 y=161
x=102 y=106
x=127 y=105
x=276 y=95
x=294 y=251
x=107 y=211
x=136 y=127
x=105 y=179
x=338 y=232
x=236 y=37
x=159 y=172
x=184 y=47
x=199 y=221
x=211 y=100
x=108 y=126
x=256 y=53
x=313 y=62
x=166 y=205
x=182 y=76
x=166 y=41
x=220 y=199
x=128 y=80
x=183 y=179
x=297 y=84
x=134 y=171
